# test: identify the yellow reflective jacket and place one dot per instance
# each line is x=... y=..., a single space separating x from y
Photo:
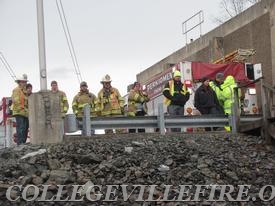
x=137 y=102
x=110 y=103
x=218 y=91
x=171 y=89
x=227 y=94
x=64 y=105
x=19 y=102
x=82 y=99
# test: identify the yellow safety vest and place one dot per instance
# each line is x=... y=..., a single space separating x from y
x=172 y=91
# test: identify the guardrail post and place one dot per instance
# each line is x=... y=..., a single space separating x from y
x=86 y=122
x=235 y=117
x=161 y=121
x=266 y=113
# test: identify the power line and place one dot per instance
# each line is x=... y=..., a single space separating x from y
x=7 y=66
x=68 y=39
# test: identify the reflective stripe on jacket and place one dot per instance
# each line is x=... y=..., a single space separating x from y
x=227 y=94
x=137 y=102
x=171 y=89
x=64 y=105
x=110 y=103
x=82 y=99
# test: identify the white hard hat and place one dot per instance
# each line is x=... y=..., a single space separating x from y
x=24 y=78
x=106 y=78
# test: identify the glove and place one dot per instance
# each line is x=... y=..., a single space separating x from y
x=122 y=110
x=105 y=100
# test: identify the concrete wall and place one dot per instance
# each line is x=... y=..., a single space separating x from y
x=252 y=29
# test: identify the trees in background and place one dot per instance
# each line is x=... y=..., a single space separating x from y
x=231 y=8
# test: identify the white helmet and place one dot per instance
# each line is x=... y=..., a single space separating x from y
x=24 y=78
x=106 y=78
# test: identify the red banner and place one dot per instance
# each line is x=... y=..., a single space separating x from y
x=201 y=69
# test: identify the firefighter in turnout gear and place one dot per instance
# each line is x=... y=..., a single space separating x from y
x=175 y=96
x=137 y=103
x=110 y=101
x=83 y=98
x=64 y=105
x=20 y=109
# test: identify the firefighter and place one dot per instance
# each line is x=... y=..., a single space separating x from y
x=216 y=85
x=176 y=95
x=64 y=105
x=137 y=103
x=28 y=93
x=29 y=89
x=83 y=98
x=227 y=95
x=20 y=109
x=110 y=101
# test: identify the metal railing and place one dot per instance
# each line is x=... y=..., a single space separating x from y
x=162 y=121
x=237 y=122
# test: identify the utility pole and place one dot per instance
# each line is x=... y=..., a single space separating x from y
x=41 y=45
x=45 y=117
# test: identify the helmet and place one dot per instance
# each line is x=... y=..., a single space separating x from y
x=106 y=78
x=176 y=73
x=24 y=78
x=82 y=84
x=219 y=75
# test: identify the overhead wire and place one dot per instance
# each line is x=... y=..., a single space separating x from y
x=7 y=66
x=68 y=39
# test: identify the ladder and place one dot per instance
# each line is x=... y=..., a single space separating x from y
x=239 y=55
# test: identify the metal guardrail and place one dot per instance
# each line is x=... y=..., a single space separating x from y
x=162 y=122
x=153 y=122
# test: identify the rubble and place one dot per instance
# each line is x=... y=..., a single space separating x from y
x=140 y=159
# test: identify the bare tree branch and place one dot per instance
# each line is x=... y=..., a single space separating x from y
x=232 y=8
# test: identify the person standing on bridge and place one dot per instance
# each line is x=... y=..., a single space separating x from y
x=137 y=104
x=83 y=98
x=64 y=105
x=206 y=100
x=216 y=85
x=110 y=101
x=176 y=95
x=227 y=96
x=29 y=89
x=20 y=109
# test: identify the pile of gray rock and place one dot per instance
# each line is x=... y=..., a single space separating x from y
x=140 y=159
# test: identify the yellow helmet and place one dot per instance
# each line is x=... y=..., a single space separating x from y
x=176 y=73
x=106 y=78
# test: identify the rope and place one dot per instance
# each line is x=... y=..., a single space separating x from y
x=7 y=66
x=69 y=39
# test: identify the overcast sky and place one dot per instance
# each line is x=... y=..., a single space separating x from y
x=116 y=37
